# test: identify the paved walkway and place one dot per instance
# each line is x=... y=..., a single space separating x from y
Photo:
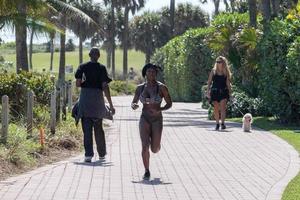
x=195 y=162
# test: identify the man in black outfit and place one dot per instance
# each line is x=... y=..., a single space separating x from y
x=93 y=79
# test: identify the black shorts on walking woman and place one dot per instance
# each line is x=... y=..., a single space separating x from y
x=219 y=90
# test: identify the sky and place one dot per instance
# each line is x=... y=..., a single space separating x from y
x=157 y=4
x=152 y=5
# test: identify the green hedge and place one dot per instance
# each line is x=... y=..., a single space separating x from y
x=15 y=86
x=186 y=63
x=122 y=87
x=279 y=70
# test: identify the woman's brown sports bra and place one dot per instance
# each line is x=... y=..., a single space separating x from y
x=146 y=98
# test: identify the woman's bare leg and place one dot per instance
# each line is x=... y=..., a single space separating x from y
x=216 y=111
x=145 y=131
x=157 y=127
x=223 y=104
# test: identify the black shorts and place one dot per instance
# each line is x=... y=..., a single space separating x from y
x=217 y=94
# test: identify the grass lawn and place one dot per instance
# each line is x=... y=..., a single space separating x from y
x=136 y=59
x=290 y=134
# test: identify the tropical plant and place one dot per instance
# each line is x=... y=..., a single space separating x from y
x=70 y=45
x=38 y=27
x=252 y=12
x=18 y=13
x=186 y=16
x=129 y=6
x=172 y=17
x=223 y=39
x=111 y=36
x=279 y=52
x=85 y=30
x=186 y=57
x=145 y=33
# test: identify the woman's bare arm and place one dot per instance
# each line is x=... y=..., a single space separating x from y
x=209 y=84
x=209 y=80
x=167 y=98
x=135 y=99
x=228 y=84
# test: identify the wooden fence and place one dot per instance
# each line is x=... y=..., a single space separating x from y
x=60 y=102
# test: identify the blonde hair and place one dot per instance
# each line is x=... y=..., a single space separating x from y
x=226 y=69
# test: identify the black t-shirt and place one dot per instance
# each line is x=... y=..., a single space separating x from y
x=92 y=74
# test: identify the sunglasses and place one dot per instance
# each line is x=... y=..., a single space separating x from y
x=219 y=61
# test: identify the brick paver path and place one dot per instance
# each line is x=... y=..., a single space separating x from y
x=195 y=162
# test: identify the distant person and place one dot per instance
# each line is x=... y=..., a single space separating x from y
x=93 y=79
x=131 y=74
x=151 y=93
x=219 y=89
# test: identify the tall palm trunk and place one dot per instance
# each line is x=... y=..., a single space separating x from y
x=252 y=12
x=108 y=58
x=125 y=42
x=266 y=10
x=275 y=7
x=30 y=48
x=172 y=17
x=148 y=56
x=62 y=55
x=217 y=4
x=52 y=35
x=113 y=45
x=21 y=36
x=232 y=5
x=80 y=49
x=227 y=8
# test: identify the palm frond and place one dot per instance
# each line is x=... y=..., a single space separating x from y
x=248 y=38
x=70 y=11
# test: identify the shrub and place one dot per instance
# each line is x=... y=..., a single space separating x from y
x=279 y=69
x=205 y=100
x=186 y=62
x=242 y=104
x=20 y=150
x=70 y=45
x=122 y=87
x=235 y=40
x=15 y=86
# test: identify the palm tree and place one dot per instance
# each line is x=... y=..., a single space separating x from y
x=37 y=27
x=145 y=33
x=217 y=5
x=133 y=6
x=19 y=11
x=252 y=12
x=65 y=9
x=51 y=36
x=266 y=10
x=172 y=16
x=21 y=36
x=186 y=16
x=83 y=30
x=112 y=45
x=275 y=7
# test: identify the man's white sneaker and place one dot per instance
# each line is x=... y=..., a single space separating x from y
x=101 y=157
x=88 y=159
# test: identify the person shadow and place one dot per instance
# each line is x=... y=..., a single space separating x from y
x=100 y=163
x=155 y=181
